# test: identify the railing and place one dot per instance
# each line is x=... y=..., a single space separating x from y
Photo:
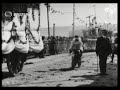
x=62 y=46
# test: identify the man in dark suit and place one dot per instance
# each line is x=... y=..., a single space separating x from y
x=103 y=50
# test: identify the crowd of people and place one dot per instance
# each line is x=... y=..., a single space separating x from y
x=54 y=45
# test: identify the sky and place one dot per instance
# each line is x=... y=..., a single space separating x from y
x=105 y=13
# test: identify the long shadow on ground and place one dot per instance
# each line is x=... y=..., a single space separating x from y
x=101 y=81
x=62 y=69
x=6 y=74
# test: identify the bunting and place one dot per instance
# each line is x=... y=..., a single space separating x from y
x=55 y=11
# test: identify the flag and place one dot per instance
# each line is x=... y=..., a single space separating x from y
x=53 y=11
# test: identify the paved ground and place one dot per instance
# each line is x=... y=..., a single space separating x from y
x=54 y=71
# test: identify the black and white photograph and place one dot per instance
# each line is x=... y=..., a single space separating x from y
x=59 y=44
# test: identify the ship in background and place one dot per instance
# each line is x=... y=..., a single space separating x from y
x=91 y=31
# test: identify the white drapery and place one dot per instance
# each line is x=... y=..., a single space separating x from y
x=34 y=24
x=6 y=34
x=23 y=43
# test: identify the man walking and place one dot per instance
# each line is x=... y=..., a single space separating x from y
x=103 y=49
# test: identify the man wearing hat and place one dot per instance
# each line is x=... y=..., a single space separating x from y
x=103 y=50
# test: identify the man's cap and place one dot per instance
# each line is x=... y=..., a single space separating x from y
x=104 y=31
x=76 y=36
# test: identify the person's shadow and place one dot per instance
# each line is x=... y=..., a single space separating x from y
x=109 y=80
x=66 y=69
x=6 y=74
x=62 y=69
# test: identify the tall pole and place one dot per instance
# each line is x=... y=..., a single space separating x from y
x=54 y=29
x=48 y=19
x=73 y=18
x=95 y=12
x=39 y=17
x=47 y=5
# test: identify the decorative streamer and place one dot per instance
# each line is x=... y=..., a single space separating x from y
x=56 y=11
x=34 y=23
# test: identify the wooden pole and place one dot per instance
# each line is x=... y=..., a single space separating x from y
x=54 y=29
x=39 y=17
x=95 y=13
x=47 y=5
x=73 y=18
x=48 y=20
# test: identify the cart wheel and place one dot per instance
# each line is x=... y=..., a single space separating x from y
x=11 y=64
x=15 y=62
x=21 y=60
x=79 y=63
x=73 y=62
